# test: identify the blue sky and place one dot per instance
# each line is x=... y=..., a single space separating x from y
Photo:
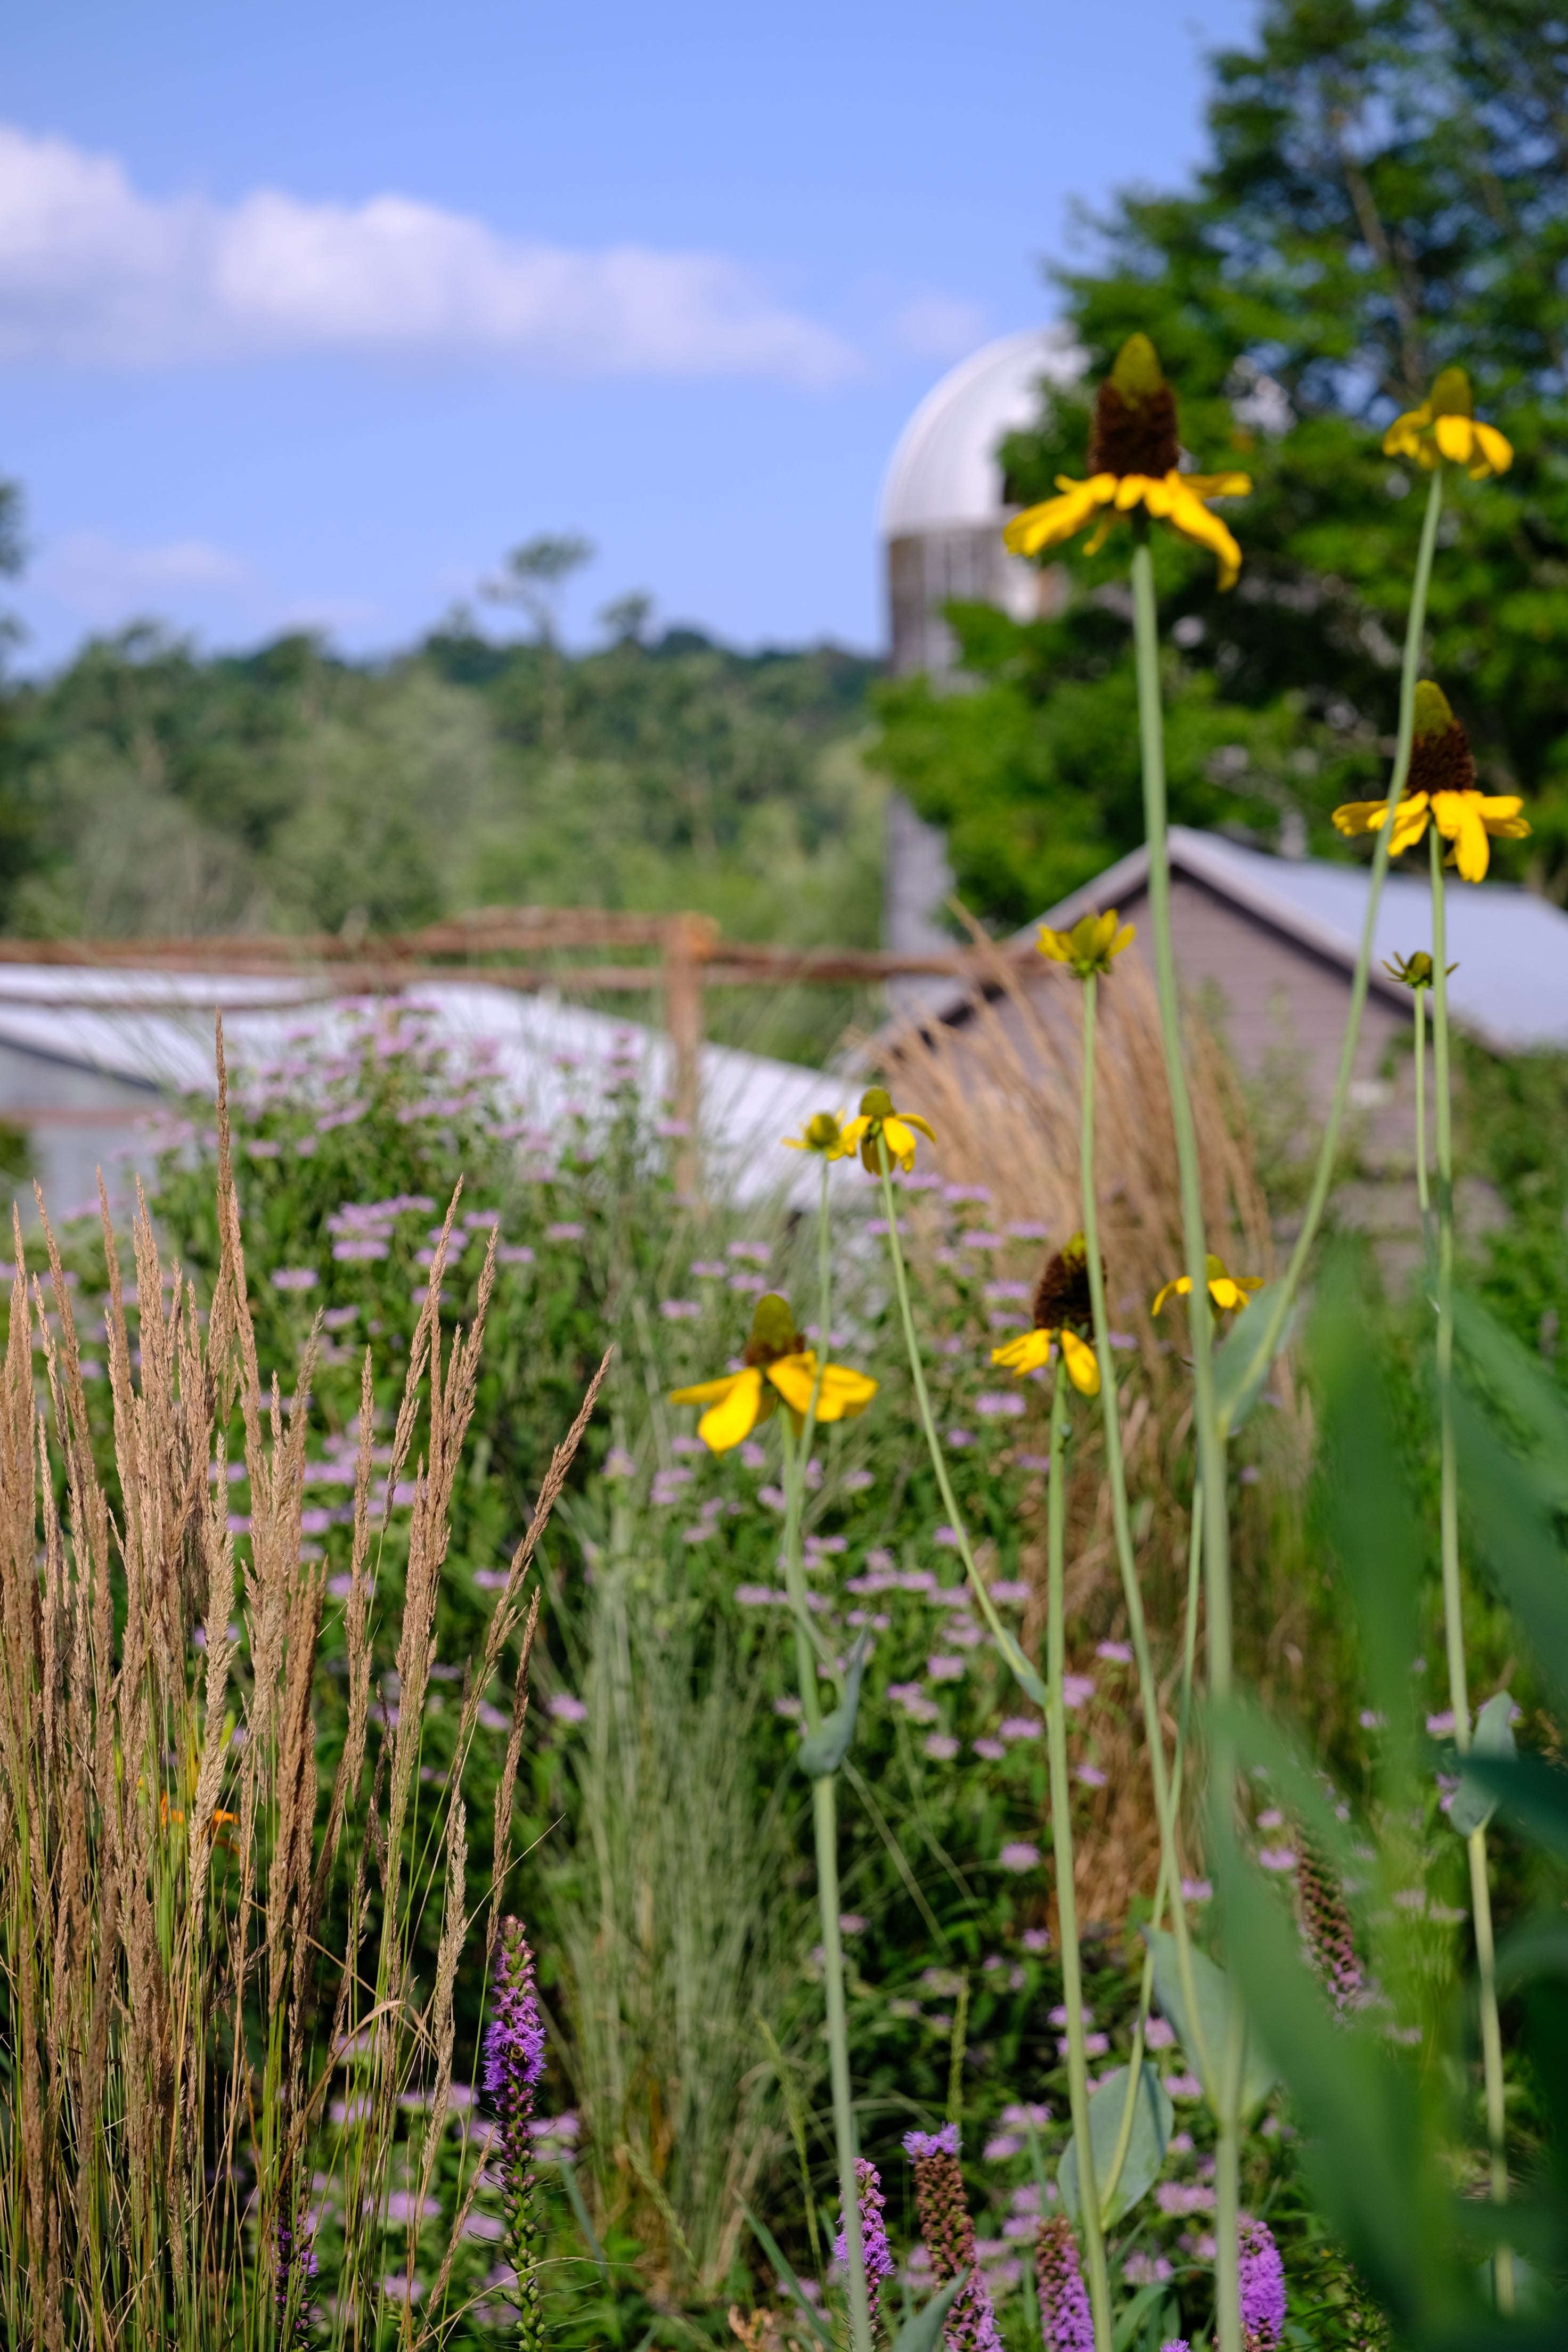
x=308 y=312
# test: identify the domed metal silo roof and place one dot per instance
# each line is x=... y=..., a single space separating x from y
x=943 y=475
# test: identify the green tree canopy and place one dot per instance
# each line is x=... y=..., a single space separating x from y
x=1386 y=194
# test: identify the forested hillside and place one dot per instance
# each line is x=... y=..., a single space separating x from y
x=148 y=789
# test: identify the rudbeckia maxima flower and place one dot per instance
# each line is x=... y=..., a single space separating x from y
x=778 y=1364
x=1132 y=462
x=1089 y=945
x=1446 y=426
x=1444 y=772
x=824 y=1135
x=897 y=1128
x=1226 y=1289
x=1062 y=1300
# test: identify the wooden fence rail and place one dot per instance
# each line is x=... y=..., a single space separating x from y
x=687 y=956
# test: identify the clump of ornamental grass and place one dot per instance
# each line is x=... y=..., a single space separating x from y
x=168 y=1848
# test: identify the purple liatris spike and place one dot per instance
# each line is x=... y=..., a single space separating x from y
x=1326 y=1927
x=294 y=2258
x=514 y=2062
x=1177 y=2344
x=949 y=2235
x=1262 y=2287
x=1066 y=2324
x=874 y=2248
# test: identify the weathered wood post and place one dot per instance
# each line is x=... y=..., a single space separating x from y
x=688 y=942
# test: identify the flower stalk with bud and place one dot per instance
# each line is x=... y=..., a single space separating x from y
x=949 y=2236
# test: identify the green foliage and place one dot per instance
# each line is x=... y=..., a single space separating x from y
x=290 y=790
x=1386 y=194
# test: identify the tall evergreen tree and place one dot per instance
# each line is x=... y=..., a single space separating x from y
x=1387 y=193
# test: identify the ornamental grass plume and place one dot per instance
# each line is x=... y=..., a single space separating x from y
x=1066 y=2324
x=949 y=2235
x=1262 y=2288
x=1134 y=450
x=514 y=2062
x=874 y=2247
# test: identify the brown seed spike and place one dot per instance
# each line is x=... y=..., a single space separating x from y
x=1063 y=1295
x=1133 y=435
x=1442 y=763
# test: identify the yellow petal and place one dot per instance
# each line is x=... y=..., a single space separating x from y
x=1227 y=1293
x=794 y=1143
x=1472 y=850
x=1359 y=817
x=900 y=1143
x=1409 y=824
x=1181 y=1284
x=1124 y=937
x=1217 y=486
x=1054 y=520
x=1192 y=518
x=853 y=1133
x=1491 y=445
x=1054 y=944
x=1496 y=806
x=1507 y=828
x=1403 y=438
x=1130 y=488
x=1083 y=1368
x=914 y=1118
x=725 y=1424
x=1456 y=435
x=1024 y=1354
x=705 y=1392
x=845 y=1393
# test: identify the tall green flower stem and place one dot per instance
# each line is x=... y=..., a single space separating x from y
x=1061 y=1846
x=1423 y=1195
x=1210 y=1437
x=1453 y=1598
x=1028 y=1682
x=809 y=1649
x=1022 y=1673
x=1277 y=1308
x=1168 y=1882
x=1116 y=1475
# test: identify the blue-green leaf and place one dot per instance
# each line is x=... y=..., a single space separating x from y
x=920 y=2333
x=828 y=1747
x=1151 y=2119
x=1476 y=1799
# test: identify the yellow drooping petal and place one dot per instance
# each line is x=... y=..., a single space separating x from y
x=1083 y=1368
x=1370 y=816
x=1137 y=489
x=1193 y=519
x=843 y=1393
x=738 y=1405
x=1456 y=437
x=1227 y=1293
x=1024 y=1354
x=1218 y=486
x=1409 y=824
x=1403 y=438
x=1054 y=520
x=1179 y=1288
x=1493 y=452
x=855 y=1133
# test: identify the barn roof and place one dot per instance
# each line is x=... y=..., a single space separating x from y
x=1511 y=946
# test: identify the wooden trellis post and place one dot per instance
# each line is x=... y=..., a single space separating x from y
x=688 y=942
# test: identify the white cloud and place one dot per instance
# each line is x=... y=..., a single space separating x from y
x=102 y=580
x=92 y=273
x=938 y=327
